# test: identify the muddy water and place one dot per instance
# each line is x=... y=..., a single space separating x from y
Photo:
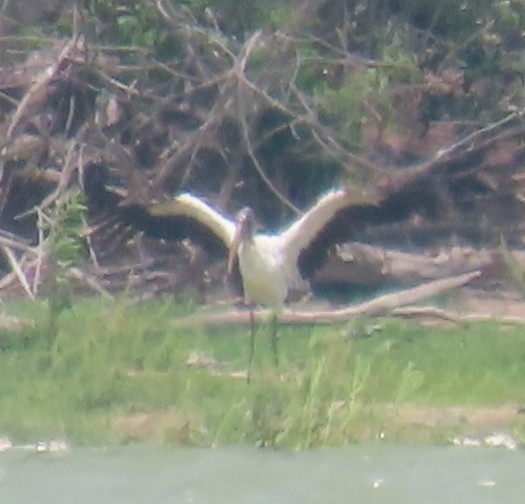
x=377 y=473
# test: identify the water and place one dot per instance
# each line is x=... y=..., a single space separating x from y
x=359 y=474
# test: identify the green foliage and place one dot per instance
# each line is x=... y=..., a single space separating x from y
x=240 y=18
x=111 y=364
x=399 y=66
x=366 y=93
x=133 y=22
x=310 y=69
x=349 y=106
x=64 y=225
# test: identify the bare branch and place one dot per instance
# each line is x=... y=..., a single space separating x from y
x=378 y=306
x=17 y=270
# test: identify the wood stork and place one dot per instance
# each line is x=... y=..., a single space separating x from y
x=271 y=266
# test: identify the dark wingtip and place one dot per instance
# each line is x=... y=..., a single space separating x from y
x=95 y=180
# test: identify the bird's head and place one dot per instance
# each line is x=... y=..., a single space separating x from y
x=245 y=224
x=243 y=233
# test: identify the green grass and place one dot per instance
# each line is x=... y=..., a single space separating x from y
x=118 y=373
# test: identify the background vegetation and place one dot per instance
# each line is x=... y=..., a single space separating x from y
x=261 y=101
x=115 y=373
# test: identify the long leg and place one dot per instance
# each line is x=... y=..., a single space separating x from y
x=252 y=344
x=274 y=324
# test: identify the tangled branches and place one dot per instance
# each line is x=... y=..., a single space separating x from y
x=273 y=120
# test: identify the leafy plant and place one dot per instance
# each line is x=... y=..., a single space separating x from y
x=64 y=225
x=349 y=106
x=131 y=22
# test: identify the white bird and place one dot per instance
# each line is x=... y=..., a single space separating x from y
x=271 y=266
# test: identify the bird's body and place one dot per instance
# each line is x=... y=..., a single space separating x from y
x=263 y=271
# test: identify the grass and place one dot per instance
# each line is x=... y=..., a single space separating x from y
x=114 y=374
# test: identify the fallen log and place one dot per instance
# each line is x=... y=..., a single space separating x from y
x=380 y=305
x=366 y=265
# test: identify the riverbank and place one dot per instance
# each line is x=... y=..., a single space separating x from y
x=114 y=373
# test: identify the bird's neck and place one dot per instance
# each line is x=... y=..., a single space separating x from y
x=248 y=242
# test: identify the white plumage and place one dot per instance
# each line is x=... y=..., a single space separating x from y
x=263 y=270
x=268 y=263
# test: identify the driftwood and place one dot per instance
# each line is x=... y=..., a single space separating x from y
x=371 y=266
x=439 y=315
x=165 y=268
x=379 y=306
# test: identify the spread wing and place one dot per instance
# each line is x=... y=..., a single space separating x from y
x=190 y=217
x=306 y=230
